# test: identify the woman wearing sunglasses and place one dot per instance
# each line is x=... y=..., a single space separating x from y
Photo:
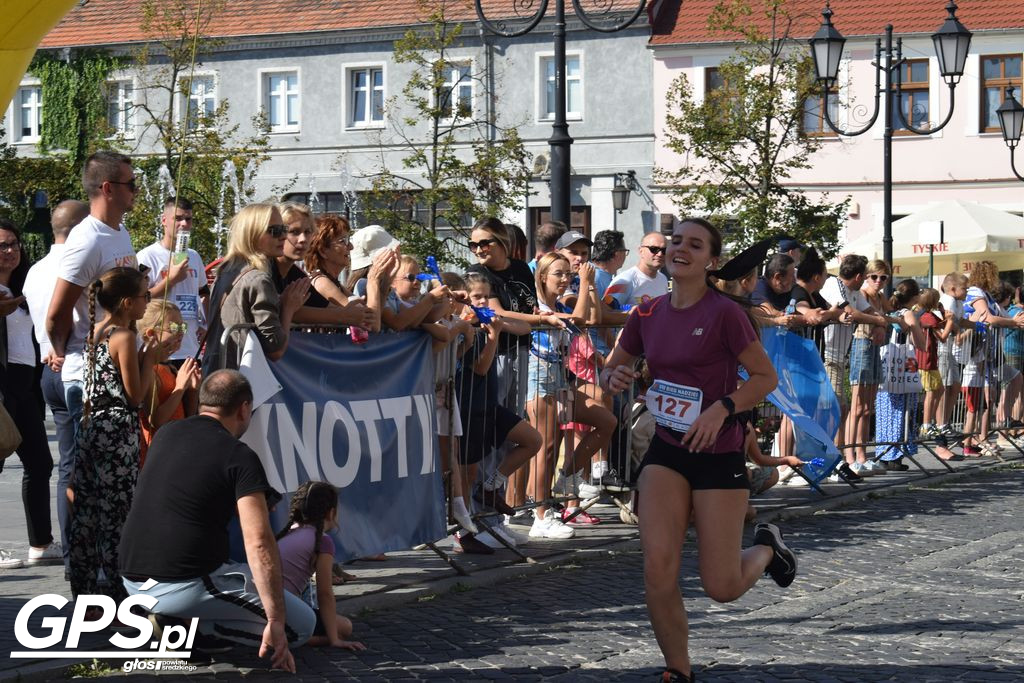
x=244 y=292
x=866 y=370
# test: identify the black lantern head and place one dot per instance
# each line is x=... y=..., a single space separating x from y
x=952 y=42
x=1011 y=119
x=827 y=49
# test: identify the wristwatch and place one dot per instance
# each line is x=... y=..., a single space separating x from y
x=729 y=404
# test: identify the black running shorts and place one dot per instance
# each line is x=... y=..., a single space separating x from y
x=702 y=470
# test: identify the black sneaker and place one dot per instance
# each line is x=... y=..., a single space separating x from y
x=467 y=543
x=895 y=465
x=782 y=568
x=613 y=482
x=849 y=475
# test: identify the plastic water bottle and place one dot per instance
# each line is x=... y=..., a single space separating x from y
x=181 y=239
x=791 y=308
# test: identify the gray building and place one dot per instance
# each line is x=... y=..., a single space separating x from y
x=329 y=85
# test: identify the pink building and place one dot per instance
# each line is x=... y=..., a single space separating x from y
x=966 y=161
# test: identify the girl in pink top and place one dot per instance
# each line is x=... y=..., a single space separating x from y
x=306 y=549
x=694 y=339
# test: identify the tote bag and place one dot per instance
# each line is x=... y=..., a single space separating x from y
x=10 y=437
x=899 y=366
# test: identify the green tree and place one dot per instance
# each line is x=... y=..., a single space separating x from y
x=743 y=140
x=458 y=161
x=207 y=158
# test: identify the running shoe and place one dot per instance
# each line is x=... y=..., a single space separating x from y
x=859 y=469
x=583 y=518
x=896 y=466
x=549 y=526
x=613 y=482
x=971 y=451
x=782 y=568
x=673 y=676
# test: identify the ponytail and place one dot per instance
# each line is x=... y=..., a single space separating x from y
x=90 y=350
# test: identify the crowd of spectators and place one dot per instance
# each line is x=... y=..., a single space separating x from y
x=116 y=344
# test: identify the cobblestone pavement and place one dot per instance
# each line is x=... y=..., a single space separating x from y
x=925 y=585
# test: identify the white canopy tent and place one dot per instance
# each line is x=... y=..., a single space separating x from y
x=972 y=233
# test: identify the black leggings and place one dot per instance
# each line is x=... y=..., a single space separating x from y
x=24 y=401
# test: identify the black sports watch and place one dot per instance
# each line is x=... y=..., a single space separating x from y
x=729 y=404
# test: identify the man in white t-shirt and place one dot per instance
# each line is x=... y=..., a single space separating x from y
x=39 y=284
x=644 y=281
x=182 y=280
x=97 y=244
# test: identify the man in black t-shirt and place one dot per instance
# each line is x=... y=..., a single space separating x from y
x=174 y=546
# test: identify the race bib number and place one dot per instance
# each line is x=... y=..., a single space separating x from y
x=674 y=406
x=188 y=304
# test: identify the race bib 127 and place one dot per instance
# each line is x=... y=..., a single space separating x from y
x=674 y=406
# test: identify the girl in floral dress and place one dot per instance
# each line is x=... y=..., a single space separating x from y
x=117 y=378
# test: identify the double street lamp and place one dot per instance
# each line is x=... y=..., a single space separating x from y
x=951 y=41
x=527 y=14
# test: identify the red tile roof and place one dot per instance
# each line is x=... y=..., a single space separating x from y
x=686 y=21
x=110 y=22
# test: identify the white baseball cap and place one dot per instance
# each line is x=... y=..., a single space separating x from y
x=367 y=243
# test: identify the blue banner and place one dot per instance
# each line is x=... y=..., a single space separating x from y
x=806 y=397
x=362 y=417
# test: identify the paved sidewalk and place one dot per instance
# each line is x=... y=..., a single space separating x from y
x=418 y=577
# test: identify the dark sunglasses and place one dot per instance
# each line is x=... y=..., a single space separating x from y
x=130 y=184
x=474 y=246
x=654 y=250
x=408 y=277
x=879 y=278
x=277 y=229
x=10 y=246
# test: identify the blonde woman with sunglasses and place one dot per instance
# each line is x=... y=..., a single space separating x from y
x=244 y=292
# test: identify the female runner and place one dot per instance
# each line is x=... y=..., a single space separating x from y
x=694 y=339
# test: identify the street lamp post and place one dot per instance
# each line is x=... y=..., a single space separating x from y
x=951 y=41
x=607 y=20
x=1011 y=120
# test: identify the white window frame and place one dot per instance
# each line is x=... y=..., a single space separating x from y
x=541 y=80
x=471 y=63
x=184 y=99
x=348 y=121
x=265 y=95
x=126 y=105
x=16 y=115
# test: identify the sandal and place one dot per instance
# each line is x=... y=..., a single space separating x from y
x=339 y=576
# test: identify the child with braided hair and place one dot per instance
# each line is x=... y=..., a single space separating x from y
x=118 y=375
x=307 y=549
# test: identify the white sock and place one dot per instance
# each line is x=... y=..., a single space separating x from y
x=598 y=469
x=459 y=506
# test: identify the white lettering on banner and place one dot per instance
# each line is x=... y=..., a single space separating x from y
x=368 y=413
x=399 y=409
x=341 y=477
x=292 y=444
x=314 y=447
x=424 y=410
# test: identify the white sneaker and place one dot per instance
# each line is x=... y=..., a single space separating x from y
x=796 y=480
x=575 y=486
x=859 y=468
x=875 y=467
x=51 y=554
x=513 y=538
x=550 y=526
x=9 y=561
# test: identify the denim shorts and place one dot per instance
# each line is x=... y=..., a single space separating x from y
x=865 y=362
x=544 y=378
